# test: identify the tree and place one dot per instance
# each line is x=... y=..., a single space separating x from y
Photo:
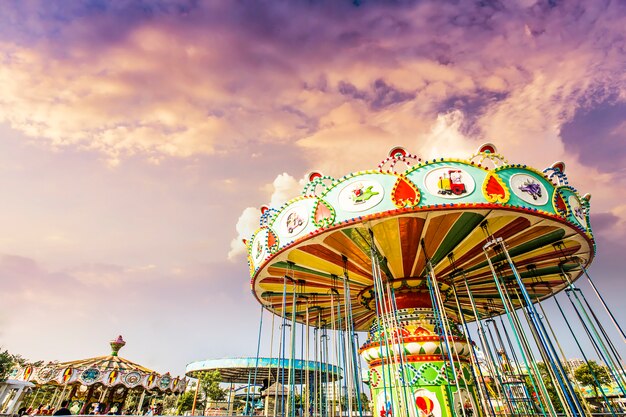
x=210 y=384
x=547 y=380
x=7 y=362
x=132 y=401
x=185 y=402
x=365 y=402
x=170 y=401
x=593 y=375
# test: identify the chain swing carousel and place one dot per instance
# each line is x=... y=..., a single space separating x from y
x=417 y=253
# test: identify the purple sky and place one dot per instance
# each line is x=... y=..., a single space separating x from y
x=137 y=135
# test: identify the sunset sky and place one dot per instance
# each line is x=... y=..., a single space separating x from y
x=138 y=139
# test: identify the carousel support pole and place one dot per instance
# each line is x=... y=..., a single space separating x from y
x=250 y=410
x=32 y=403
x=53 y=401
x=140 y=406
x=281 y=348
x=379 y=304
x=246 y=409
x=122 y=406
x=290 y=406
x=316 y=382
x=442 y=319
x=304 y=400
x=103 y=394
x=594 y=338
x=602 y=333
x=230 y=394
x=473 y=359
x=556 y=365
x=73 y=392
x=195 y=398
x=352 y=349
x=570 y=369
x=606 y=307
x=582 y=352
x=489 y=360
x=527 y=356
x=83 y=409
x=57 y=403
x=612 y=362
x=109 y=400
x=55 y=392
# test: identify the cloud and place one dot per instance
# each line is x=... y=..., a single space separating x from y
x=597 y=136
x=381 y=96
x=179 y=78
x=247 y=223
x=341 y=82
x=283 y=188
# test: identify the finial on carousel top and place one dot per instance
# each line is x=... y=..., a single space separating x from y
x=397 y=155
x=116 y=345
x=266 y=215
x=556 y=173
x=317 y=183
x=488 y=152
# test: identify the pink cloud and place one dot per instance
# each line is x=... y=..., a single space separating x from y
x=171 y=85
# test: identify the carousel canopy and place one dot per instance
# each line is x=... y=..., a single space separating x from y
x=410 y=215
x=111 y=370
x=244 y=370
x=111 y=362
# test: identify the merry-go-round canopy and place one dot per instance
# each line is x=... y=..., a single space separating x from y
x=410 y=218
x=256 y=370
x=110 y=371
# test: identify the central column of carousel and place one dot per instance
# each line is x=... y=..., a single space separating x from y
x=419 y=360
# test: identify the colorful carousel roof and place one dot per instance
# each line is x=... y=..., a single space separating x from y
x=243 y=370
x=111 y=362
x=408 y=212
x=111 y=370
x=107 y=363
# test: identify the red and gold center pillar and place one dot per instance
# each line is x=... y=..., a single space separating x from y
x=410 y=371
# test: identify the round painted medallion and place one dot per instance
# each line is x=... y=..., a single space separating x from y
x=449 y=182
x=89 y=376
x=46 y=374
x=294 y=221
x=164 y=383
x=577 y=210
x=361 y=195
x=132 y=379
x=258 y=247
x=529 y=189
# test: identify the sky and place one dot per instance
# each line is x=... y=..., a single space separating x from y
x=139 y=138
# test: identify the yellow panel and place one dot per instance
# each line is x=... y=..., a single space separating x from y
x=387 y=236
x=313 y=262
